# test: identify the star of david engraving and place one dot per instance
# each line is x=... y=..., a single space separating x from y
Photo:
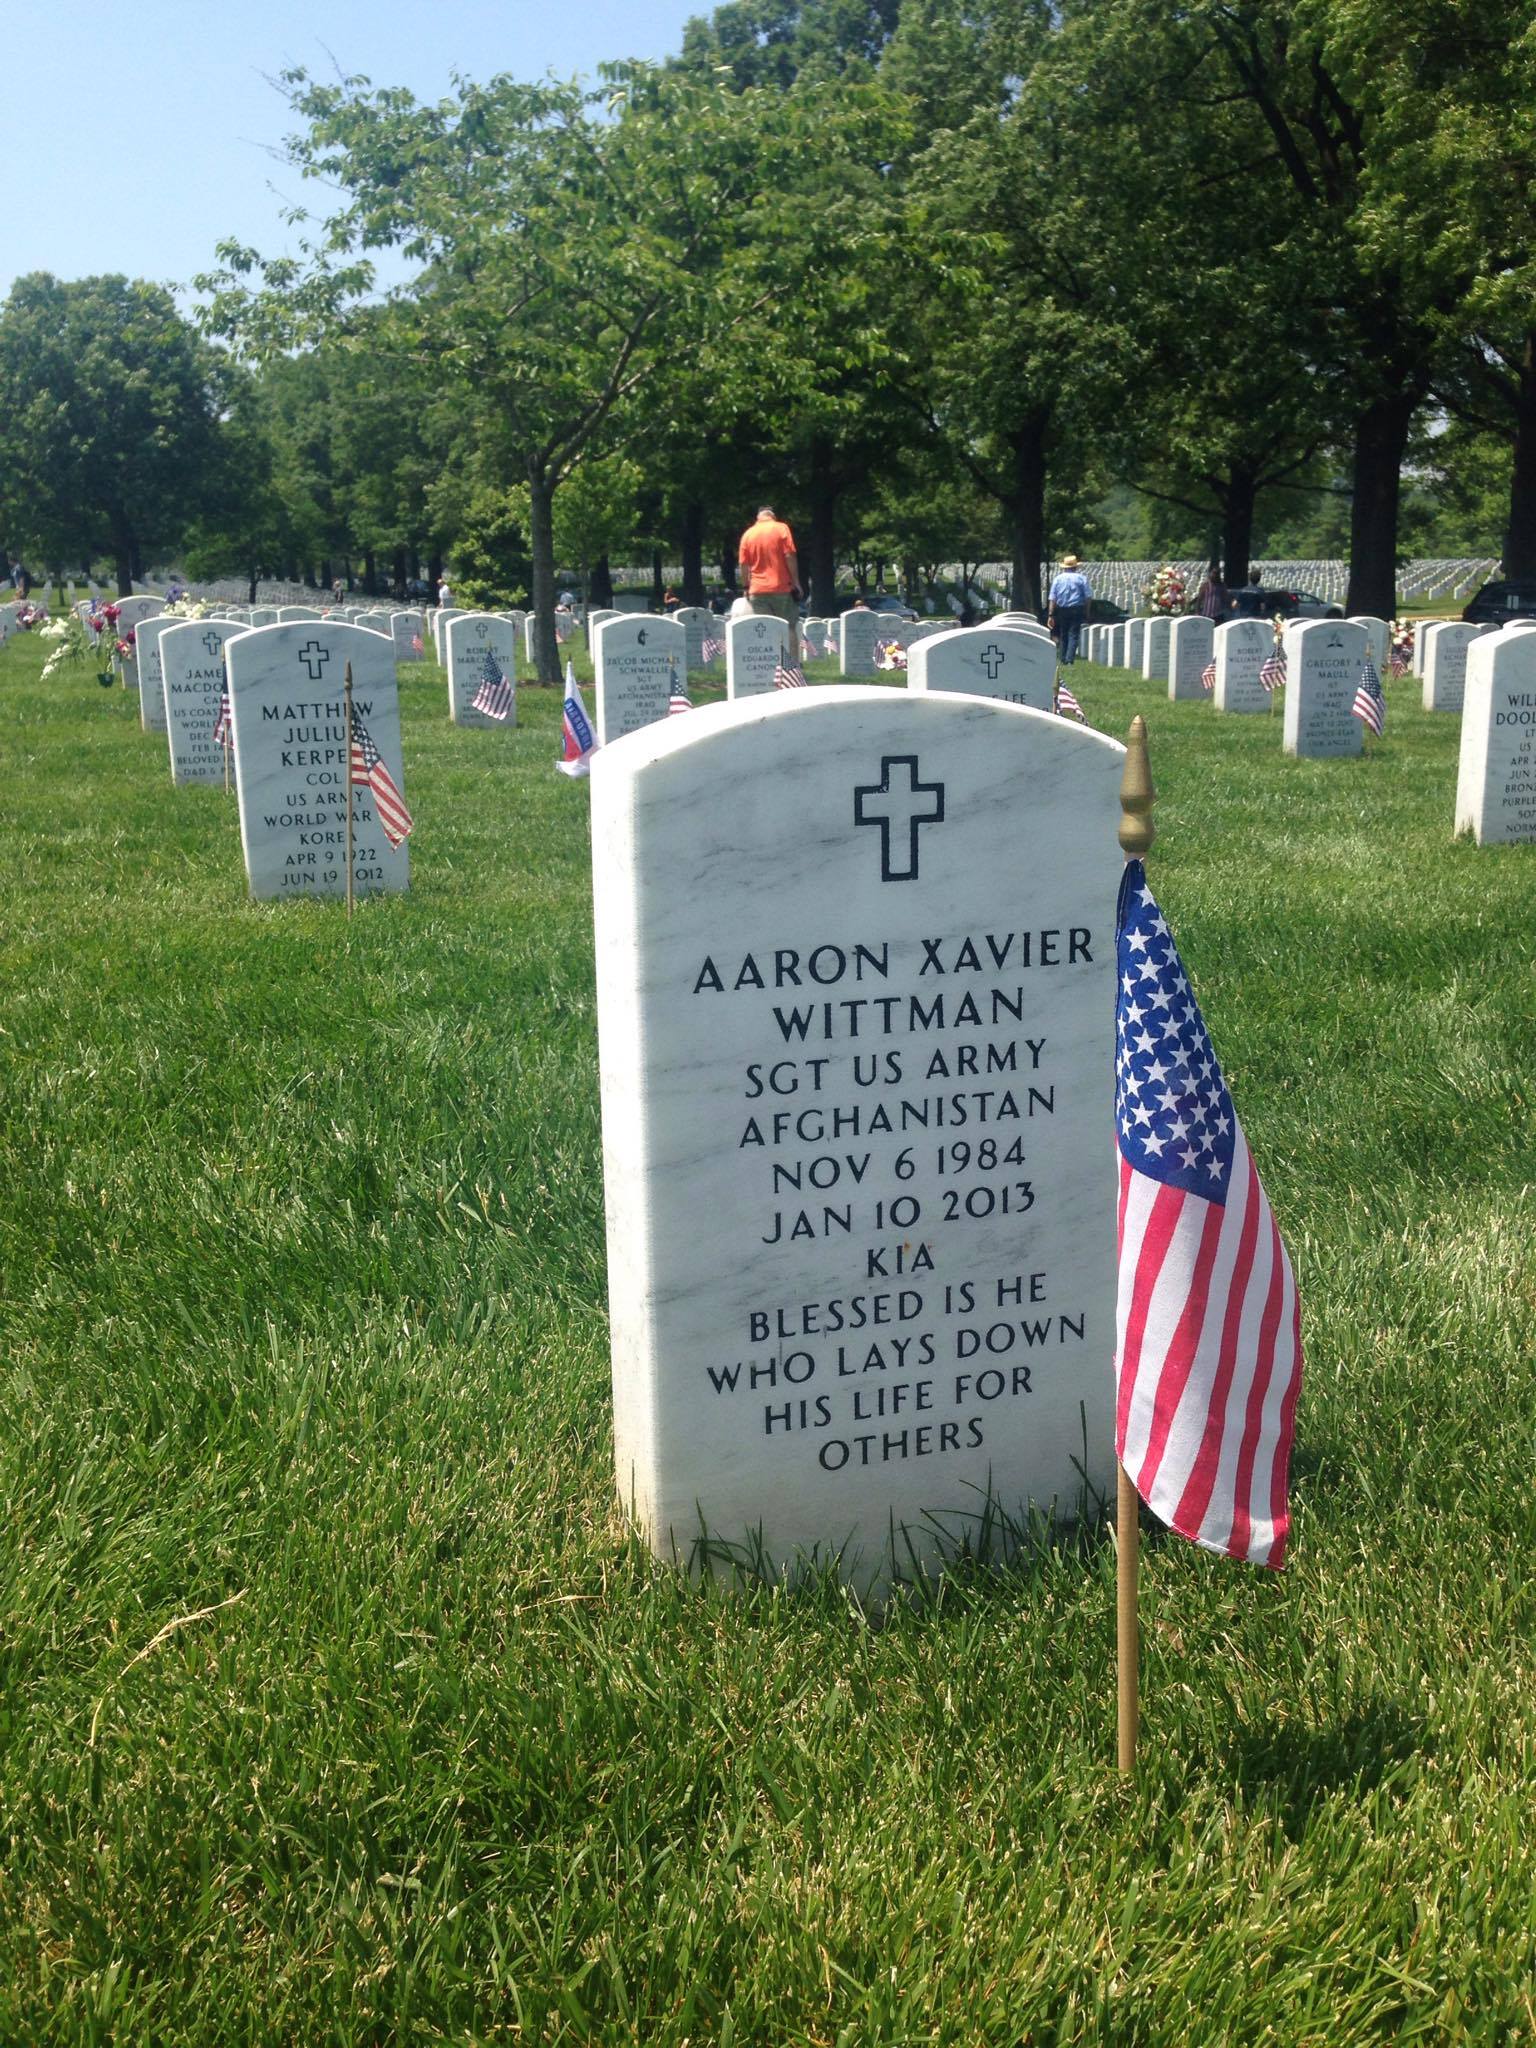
x=213 y=643
x=992 y=659
x=314 y=658
x=898 y=803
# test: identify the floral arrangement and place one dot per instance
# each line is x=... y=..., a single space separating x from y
x=1166 y=592
x=72 y=643
x=890 y=654
x=1400 y=647
x=29 y=616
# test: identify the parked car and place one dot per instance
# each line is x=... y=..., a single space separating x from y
x=1103 y=612
x=1500 y=601
x=1286 y=604
x=892 y=607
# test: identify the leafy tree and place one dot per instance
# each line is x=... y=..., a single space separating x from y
x=109 y=419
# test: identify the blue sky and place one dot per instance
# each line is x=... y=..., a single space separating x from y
x=140 y=135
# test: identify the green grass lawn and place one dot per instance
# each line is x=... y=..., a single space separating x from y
x=304 y=1324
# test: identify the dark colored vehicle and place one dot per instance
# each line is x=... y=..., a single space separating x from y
x=1101 y=612
x=1501 y=601
x=1284 y=604
x=891 y=607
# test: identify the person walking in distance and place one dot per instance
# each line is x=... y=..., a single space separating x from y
x=771 y=572
x=1067 y=608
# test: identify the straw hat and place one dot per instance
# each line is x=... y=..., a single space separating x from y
x=1070 y=562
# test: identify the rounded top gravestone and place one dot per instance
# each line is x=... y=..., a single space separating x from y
x=1496 y=771
x=986 y=661
x=857 y=1104
x=291 y=768
x=756 y=648
x=1324 y=658
x=481 y=649
x=637 y=658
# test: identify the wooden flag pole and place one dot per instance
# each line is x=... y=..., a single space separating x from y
x=1136 y=835
x=346 y=697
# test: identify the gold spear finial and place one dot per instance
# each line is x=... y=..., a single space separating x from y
x=1137 y=795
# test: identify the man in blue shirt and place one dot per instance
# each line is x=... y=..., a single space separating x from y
x=1067 y=608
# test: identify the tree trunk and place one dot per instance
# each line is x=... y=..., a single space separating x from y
x=122 y=558
x=251 y=581
x=693 y=552
x=541 y=524
x=822 y=557
x=1237 y=527
x=728 y=568
x=1381 y=435
x=1520 y=534
x=1025 y=507
x=600 y=583
x=370 y=583
x=400 y=571
x=658 y=581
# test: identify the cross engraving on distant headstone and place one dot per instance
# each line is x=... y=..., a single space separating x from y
x=903 y=803
x=992 y=659
x=314 y=658
x=213 y=643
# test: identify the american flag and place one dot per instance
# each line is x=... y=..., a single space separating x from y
x=494 y=696
x=223 y=725
x=679 y=699
x=790 y=677
x=1369 y=703
x=1208 y=675
x=713 y=649
x=1399 y=661
x=1208 y=1327
x=369 y=772
x=580 y=741
x=415 y=643
x=1066 y=702
x=1272 y=674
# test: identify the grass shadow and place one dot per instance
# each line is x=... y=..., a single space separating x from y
x=1294 y=1769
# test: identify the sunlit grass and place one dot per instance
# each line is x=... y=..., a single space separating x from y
x=301 y=1239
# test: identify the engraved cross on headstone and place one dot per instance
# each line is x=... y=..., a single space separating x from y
x=213 y=643
x=992 y=659
x=898 y=803
x=314 y=658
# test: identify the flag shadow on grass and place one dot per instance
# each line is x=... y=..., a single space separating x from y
x=1292 y=1769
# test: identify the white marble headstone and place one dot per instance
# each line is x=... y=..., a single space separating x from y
x=442 y=618
x=1445 y=663
x=1242 y=648
x=1378 y=633
x=264 y=615
x=469 y=638
x=1190 y=646
x=1496 y=775
x=1155 y=642
x=192 y=666
x=754 y=648
x=858 y=635
x=635 y=659
x=406 y=630
x=291 y=769
x=1135 y=640
x=860 y=1203
x=290 y=614
x=986 y=661
x=131 y=612
x=1323 y=659
x=698 y=622
x=146 y=661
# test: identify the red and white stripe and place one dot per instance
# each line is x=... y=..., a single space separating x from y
x=1209 y=1360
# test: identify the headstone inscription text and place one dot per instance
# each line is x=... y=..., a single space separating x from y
x=860 y=1185
x=1242 y=648
x=192 y=662
x=1496 y=771
x=636 y=657
x=291 y=768
x=468 y=639
x=1323 y=661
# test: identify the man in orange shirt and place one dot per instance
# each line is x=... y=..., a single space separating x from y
x=771 y=571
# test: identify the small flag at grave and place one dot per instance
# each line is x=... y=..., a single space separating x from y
x=222 y=725
x=580 y=740
x=1369 y=703
x=1208 y=1345
x=1066 y=703
x=791 y=677
x=712 y=650
x=1272 y=674
x=1208 y=675
x=415 y=643
x=494 y=696
x=679 y=699
x=369 y=772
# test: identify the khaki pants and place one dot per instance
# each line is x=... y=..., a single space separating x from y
x=779 y=604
